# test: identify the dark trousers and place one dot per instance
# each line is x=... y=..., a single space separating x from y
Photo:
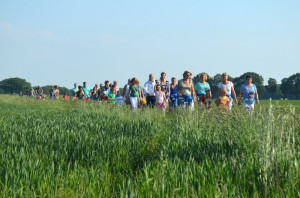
x=150 y=101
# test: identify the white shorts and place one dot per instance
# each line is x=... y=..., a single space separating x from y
x=249 y=107
x=134 y=101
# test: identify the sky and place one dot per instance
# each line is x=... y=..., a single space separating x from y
x=62 y=42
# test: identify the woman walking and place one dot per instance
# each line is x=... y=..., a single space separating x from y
x=228 y=85
x=134 y=93
x=185 y=90
x=201 y=85
x=248 y=95
x=173 y=99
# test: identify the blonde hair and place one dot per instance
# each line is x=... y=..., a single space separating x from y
x=204 y=75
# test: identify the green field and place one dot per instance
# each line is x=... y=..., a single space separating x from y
x=77 y=149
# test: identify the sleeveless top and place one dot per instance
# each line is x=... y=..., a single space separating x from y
x=183 y=88
x=173 y=90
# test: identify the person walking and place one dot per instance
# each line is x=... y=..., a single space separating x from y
x=149 y=91
x=248 y=95
x=185 y=90
x=164 y=84
x=126 y=91
x=201 y=86
x=134 y=93
x=228 y=85
x=86 y=90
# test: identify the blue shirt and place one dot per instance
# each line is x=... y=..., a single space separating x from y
x=200 y=88
x=74 y=90
x=86 y=91
x=248 y=94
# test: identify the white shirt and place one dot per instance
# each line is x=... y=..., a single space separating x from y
x=227 y=87
x=149 y=88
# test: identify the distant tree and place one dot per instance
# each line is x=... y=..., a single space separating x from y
x=294 y=81
x=272 y=86
x=63 y=90
x=257 y=79
x=284 y=87
x=14 y=85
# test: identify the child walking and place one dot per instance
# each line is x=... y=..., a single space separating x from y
x=206 y=99
x=160 y=98
x=119 y=99
x=222 y=101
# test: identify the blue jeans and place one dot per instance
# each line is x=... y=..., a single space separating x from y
x=174 y=103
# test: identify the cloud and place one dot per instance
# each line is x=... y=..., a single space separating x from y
x=10 y=32
x=6 y=25
x=105 y=36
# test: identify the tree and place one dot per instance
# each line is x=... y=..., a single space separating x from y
x=257 y=79
x=284 y=87
x=14 y=85
x=294 y=82
x=272 y=86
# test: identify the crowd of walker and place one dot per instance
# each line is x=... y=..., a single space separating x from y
x=160 y=93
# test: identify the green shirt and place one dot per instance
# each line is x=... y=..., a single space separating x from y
x=134 y=91
x=112 y=96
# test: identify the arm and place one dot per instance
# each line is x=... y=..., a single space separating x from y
x=233 y=93
x=165 y=99
x=178 y=90
x=140 y=93
x=193 y=92
x=256 y=98
x=169 y=92
x=240 y=98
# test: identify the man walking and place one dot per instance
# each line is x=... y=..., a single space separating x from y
x=149 y=91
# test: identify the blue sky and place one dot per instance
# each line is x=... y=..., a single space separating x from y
x=62 y=42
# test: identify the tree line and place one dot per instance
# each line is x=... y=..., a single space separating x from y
x=17 y=85
x=289 y=87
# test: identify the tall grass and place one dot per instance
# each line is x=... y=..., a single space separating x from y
x=64 y=149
